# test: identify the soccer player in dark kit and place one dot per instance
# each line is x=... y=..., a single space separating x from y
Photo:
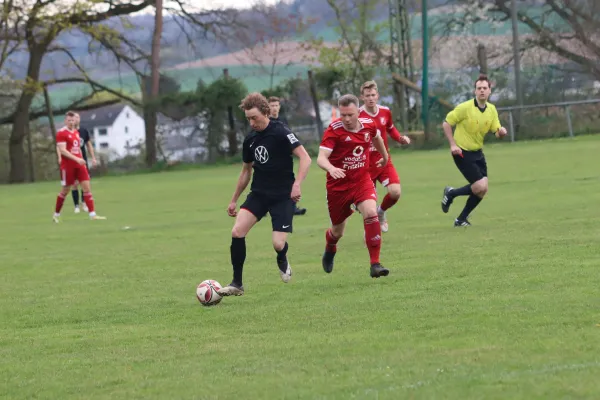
x=267 y=150
x=274 y=108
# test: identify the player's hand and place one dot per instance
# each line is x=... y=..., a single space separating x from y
x=296 y=193
x=501 y=132
x=94 y=162
x=231 y=209
x=456 y=151
x=404 y=139
x=80 y=161
x=382 y=161
x=337 y=173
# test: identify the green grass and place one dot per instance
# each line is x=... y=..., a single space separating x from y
x=507 y=309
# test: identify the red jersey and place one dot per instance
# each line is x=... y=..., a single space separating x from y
x=71 y=138
x=385 y=123
x=350 y=152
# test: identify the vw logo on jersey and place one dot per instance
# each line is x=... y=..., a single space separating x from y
x=261 y=154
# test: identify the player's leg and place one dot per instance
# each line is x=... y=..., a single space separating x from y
x=479 y=189
x=367 y=205
x=466 y=164
x=391 y=181
x=282 y=215
x=251 y=211
x=339 y=205
x=86 y=187
x=75 y=196
x=66 y=181
x=87 y=168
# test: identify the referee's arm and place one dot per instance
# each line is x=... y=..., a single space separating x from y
x=453 y=118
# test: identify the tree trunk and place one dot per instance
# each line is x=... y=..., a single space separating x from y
x=17 y=152
x=150 y=112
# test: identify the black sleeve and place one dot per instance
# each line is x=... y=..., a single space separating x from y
x=291 y=139
x=84 y=134
x=247 y=155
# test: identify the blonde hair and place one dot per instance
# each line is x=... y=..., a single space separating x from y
x=368 y=85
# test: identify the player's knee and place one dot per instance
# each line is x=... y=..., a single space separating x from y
x=395 y=192
x=338 y=231
x=278 y=243
x=480 y=187
x=237 y=232
x=369 y=212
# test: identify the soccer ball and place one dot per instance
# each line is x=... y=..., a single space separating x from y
x=206 y=292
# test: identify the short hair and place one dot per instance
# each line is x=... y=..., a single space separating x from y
x=368 y=85
x=347 y=99
x=483 y=78
x=274 y=99
x=70 y=114
x=255 y=100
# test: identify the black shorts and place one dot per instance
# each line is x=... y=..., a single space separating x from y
x=281 y=210
x=472 y=165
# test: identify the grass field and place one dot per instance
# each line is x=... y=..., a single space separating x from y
x=507 y=309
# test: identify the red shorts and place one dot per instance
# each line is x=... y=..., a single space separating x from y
x=386 y=175
x=339 y=202
x=72 y=174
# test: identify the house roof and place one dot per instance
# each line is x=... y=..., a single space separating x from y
x=103 y=116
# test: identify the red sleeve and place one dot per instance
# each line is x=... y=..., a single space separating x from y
x=61 y=137
x=329 y=139
x=391 y=129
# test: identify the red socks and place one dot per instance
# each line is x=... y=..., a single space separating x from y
x=387 y=202
x=60 y=199
x=373 y=238
x=331 y=242
x=89 y=201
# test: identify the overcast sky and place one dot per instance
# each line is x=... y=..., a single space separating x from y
x=213 y=4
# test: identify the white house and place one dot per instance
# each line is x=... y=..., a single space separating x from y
x=116 y=130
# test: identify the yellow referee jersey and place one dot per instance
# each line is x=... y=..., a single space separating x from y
x=472 y=124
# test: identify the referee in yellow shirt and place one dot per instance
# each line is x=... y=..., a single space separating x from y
x=472 y=120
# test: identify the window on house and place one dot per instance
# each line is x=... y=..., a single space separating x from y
x=102 y=132
x=127 y=115
x=126 y=130
x=104 y=145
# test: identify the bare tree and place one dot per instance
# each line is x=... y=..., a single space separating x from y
x=34 y=26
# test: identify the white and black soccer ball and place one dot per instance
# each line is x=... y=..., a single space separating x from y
x=206 y=292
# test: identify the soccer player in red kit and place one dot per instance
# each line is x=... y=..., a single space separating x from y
x=386 y=175
x=344 y=154
x=72 y=167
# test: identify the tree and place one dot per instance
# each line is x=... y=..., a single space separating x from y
x=565 y=30
x=34 y=27
x=268 y=35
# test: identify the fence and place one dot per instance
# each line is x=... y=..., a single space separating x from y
x=587 y=114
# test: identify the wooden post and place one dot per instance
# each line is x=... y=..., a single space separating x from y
x=482 y=59
x=231 y=136
x=313 y=94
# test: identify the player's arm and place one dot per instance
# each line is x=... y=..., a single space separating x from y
x=454 y=117
x=380 y=147
x=304 y=166
x=58 y=154
x=497 y=128
x=243 y=181
x=62 y=148
x=90 y=149
x=395 y=133
x=325 y=150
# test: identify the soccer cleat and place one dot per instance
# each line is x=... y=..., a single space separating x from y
x=378 y=270
x=56 y=218
x=382 y=221
x=285 y=270
x=446 y=199
x=327 y=261
x=97 y=217
x=85 y=208
x=231 y=290
x=77 y=211
x=458 y=222
x=299 y=211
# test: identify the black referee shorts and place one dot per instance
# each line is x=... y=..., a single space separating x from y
x=472 y=165
x=281 y=210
